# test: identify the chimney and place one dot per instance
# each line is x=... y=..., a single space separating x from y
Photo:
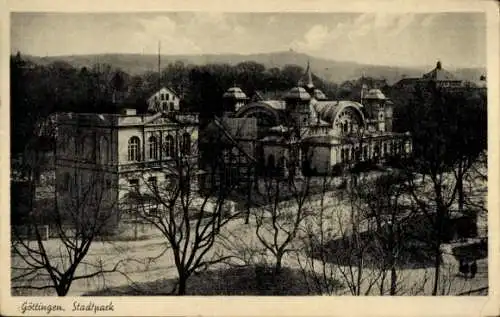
x=438 y=65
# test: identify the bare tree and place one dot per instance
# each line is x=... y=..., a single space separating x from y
x=74 y=223
x=278 y=221
x=387 y=209
x=318 y=231
x=189 y=218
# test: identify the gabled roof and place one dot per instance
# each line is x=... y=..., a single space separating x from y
x=171 y=90
x=439 y=74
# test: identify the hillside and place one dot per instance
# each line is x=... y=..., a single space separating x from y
x=331 y=70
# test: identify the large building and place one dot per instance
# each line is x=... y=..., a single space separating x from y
x=127 y=155
x=306 y=133
x=443 y=79
x=120 y=155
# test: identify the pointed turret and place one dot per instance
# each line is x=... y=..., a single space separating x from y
x=310 y=84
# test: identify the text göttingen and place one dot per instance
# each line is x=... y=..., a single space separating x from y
x=27 y=307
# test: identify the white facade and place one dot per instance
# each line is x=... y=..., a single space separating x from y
x=119 y=153
x=164 y=100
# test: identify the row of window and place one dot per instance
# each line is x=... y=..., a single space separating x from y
x=96 y=151
x=152 y=184
x=168 y=106
x=164 y=96
x=355 y=154
x=169 y=148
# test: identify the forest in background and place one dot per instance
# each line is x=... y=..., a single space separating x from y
x=37 y=90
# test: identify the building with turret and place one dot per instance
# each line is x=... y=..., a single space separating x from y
x=306 y=133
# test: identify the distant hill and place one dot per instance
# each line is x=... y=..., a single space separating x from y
x=331 y=70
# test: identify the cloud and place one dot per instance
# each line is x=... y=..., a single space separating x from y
x=165 y=30
x=372 y=28
x=314 y=39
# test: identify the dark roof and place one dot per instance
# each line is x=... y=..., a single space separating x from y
x=439 y=74
x=226 y=131
x=409 y=81
x=298 y=93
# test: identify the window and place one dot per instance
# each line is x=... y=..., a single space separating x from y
x=153 y=183
x=65 y=184
x=78 y=147
x=164 y=106
x=186 y=143
x=385 y=149
x=365 y=152
x=103 y=150
x=172 y=106
x=153 y=212
x=168 y=96
x=108 y=184
x=162 y=96
x=134 y=185
x=169 y=146
x=270 y=161
x=153 y=148
x=134 y=144
x=282 y=162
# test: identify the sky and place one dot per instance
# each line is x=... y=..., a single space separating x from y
x=399 y=39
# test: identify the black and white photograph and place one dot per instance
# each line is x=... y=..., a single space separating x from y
x=270 y=154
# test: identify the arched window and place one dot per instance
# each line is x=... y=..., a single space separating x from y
x=153 y=148
x=103 y=150
x=186 y=143
x=134 y=146
x=282 y=163
x=270 y=161
x=385 y=149
x=169 y=146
